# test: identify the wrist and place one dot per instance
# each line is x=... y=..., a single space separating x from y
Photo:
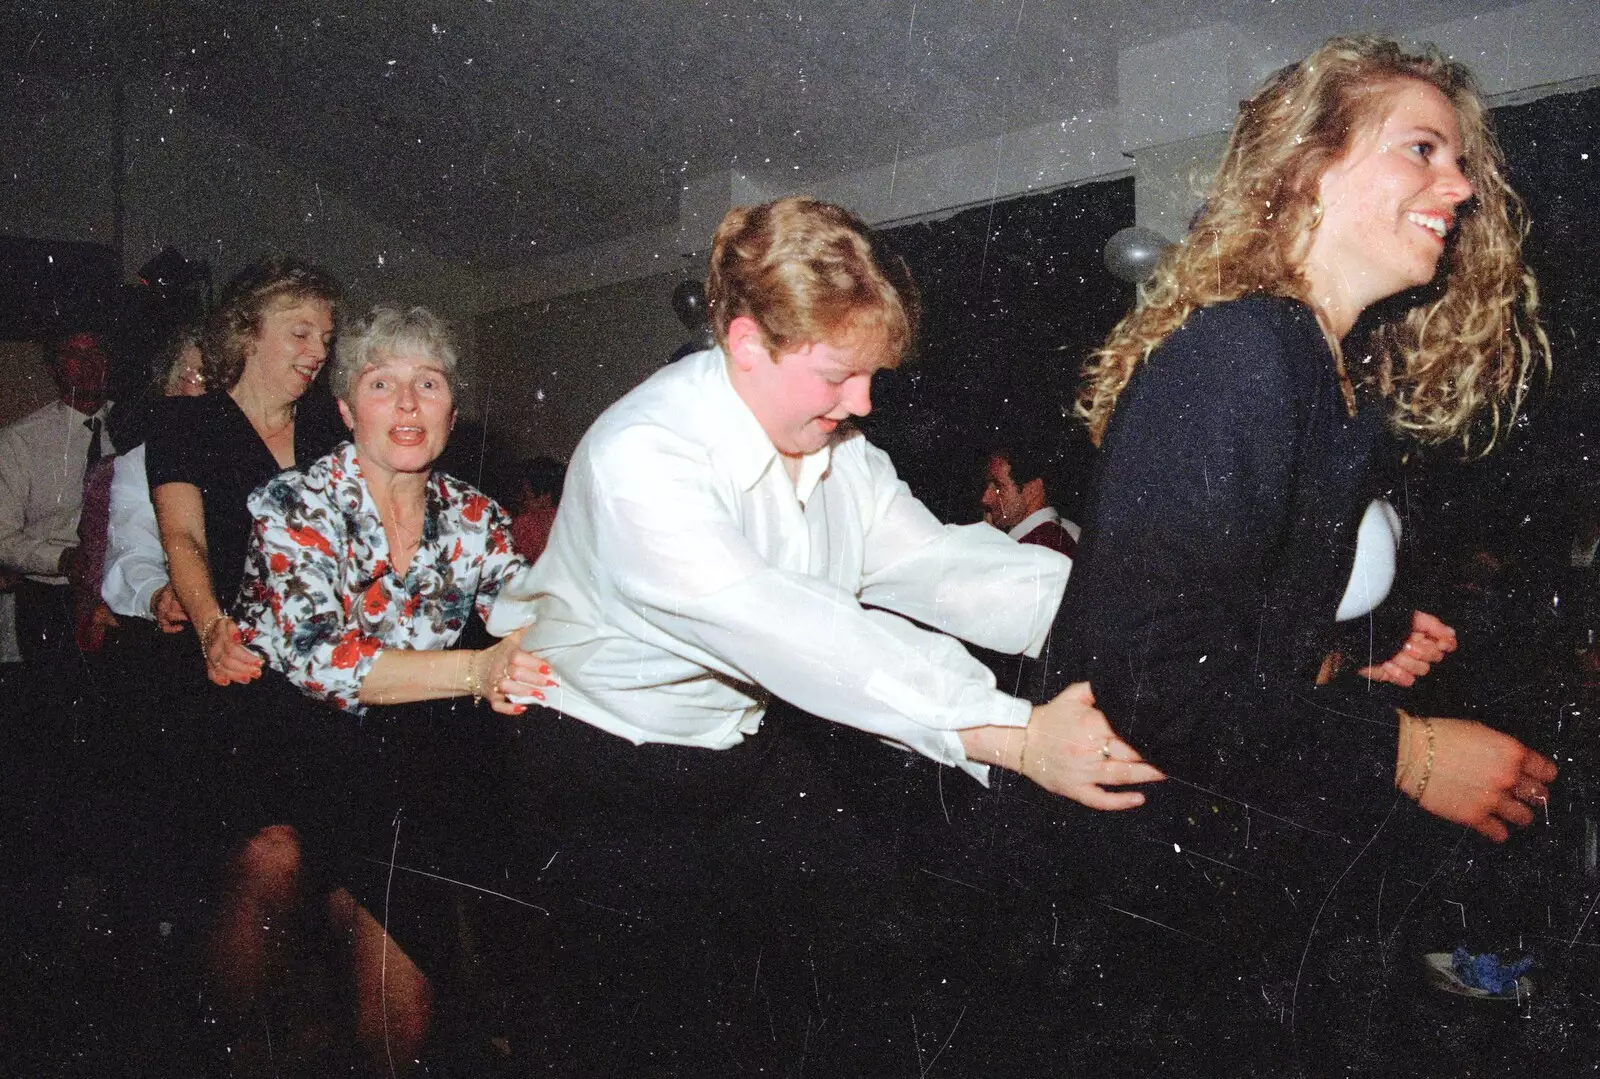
x=1001 y=746
x=472 y=674
x=1418 y=744
x=209 y=625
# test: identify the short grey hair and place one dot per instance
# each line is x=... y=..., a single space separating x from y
x=394 y=331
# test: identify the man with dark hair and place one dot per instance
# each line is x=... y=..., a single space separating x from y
x=1016 y=499
x=43 y=457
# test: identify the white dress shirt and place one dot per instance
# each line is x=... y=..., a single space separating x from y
x=1372 y=572
x=136 y=566
x=688 y=577
x=1044 y=515
x=42 y=460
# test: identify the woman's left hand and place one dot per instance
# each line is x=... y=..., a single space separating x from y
x=506 y=670
x=1430 y=641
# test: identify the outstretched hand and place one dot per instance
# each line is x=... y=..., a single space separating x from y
x=1070 y=749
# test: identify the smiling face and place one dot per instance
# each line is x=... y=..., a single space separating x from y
x=801 y=395
x=1388 y=205
x=283 y=359
x=400 y=414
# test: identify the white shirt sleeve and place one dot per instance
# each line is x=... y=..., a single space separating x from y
x=682 y=565
x=971 y=581
x=136 y=565
x=23 y=550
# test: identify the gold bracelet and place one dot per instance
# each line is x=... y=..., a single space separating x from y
x=1405 y=763
x=474 y=688
x=205 y=634
x=1427 y=768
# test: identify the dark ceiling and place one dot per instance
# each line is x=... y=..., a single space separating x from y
x=497 y=132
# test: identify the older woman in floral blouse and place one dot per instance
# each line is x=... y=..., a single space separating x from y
x=363 y=571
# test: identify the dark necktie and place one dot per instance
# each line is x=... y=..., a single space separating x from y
x=95 y=450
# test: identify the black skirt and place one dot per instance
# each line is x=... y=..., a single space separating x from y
x=391 y=805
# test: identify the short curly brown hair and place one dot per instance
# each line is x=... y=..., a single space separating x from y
x=805 y=271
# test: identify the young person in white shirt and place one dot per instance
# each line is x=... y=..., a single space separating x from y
x=726 y=539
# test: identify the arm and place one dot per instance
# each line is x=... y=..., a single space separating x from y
x=502 y=671
x=180 y=515
x=296 y=612
x=680 y=561
x=20 y=552
x=136 y=566
x=970 y=581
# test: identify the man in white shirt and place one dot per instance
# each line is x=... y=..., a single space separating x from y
x=724 y=530
x=43 y=457
x=726 y=541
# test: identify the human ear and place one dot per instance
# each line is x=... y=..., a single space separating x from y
x=747 y=345
x=344 y=414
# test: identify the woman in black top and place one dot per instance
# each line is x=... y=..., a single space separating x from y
x=1237 y=418
x=263 y=346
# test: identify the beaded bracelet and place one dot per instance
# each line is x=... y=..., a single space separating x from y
x=205 y=634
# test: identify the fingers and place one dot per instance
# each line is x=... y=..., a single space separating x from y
x=1424 y=623
x=1088 y=794
x=1491 y=828
x=1513 y=811
x=1118 y=750
x=1539 y=767
x=1422 y=649
x=1530 y=792
x=1387 y=671
x=1118 y=773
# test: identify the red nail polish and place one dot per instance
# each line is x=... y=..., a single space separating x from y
x=539 y=695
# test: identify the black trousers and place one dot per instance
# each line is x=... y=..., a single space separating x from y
x=715 y=912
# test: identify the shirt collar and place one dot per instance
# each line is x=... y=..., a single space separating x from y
x=1032 y=521
x=356 y=500
x=738 y=439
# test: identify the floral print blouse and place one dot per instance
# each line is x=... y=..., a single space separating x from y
x=320 y=600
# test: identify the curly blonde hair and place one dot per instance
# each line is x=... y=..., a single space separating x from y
x=1469 y=342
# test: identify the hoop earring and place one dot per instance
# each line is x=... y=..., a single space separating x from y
x=1316 y=214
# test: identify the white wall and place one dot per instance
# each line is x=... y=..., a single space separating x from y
x=194 y=184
